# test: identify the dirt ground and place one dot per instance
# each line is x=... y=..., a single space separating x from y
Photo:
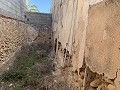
x=34 y=69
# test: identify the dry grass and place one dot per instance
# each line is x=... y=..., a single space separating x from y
x=30 y=70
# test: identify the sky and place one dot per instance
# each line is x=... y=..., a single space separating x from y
x=43 y=5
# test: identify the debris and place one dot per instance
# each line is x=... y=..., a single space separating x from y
x=111 y=87
x=102 y=87
x=10 y=85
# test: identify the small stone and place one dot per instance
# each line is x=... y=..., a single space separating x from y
x=53 y=73
x=111 y=87
x=95 y=83
x=55 y=81
x=10 y=85
x=2 y=82
x=3 y=63
x=82 y=74
x=108 y=80
x=102 y=87
x=80 y=81
x=7 y=68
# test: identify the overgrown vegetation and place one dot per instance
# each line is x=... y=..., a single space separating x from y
x=21 y=66
x=28 y=70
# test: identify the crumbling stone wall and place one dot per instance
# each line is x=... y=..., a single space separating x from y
x=86 y=37
x=13 y=34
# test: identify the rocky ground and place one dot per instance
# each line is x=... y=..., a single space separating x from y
x=34 y=69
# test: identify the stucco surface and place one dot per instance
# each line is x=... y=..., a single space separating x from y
x=70 y=19
x=102 y=43
x=88 y=30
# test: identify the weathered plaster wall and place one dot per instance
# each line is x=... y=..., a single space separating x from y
x=99 y=48
x=70 y=19
x=102 y=44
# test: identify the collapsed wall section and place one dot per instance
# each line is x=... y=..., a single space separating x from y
x=96 y=54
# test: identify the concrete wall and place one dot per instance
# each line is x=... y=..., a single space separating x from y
x=97 y=51
x=38 y=19
x=13 y=8
x=41 y=22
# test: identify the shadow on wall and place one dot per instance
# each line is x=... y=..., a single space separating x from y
x=55 y=45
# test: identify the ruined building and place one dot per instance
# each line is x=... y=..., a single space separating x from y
x=86 y=39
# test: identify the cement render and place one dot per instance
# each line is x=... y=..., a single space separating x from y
x=13 y=8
